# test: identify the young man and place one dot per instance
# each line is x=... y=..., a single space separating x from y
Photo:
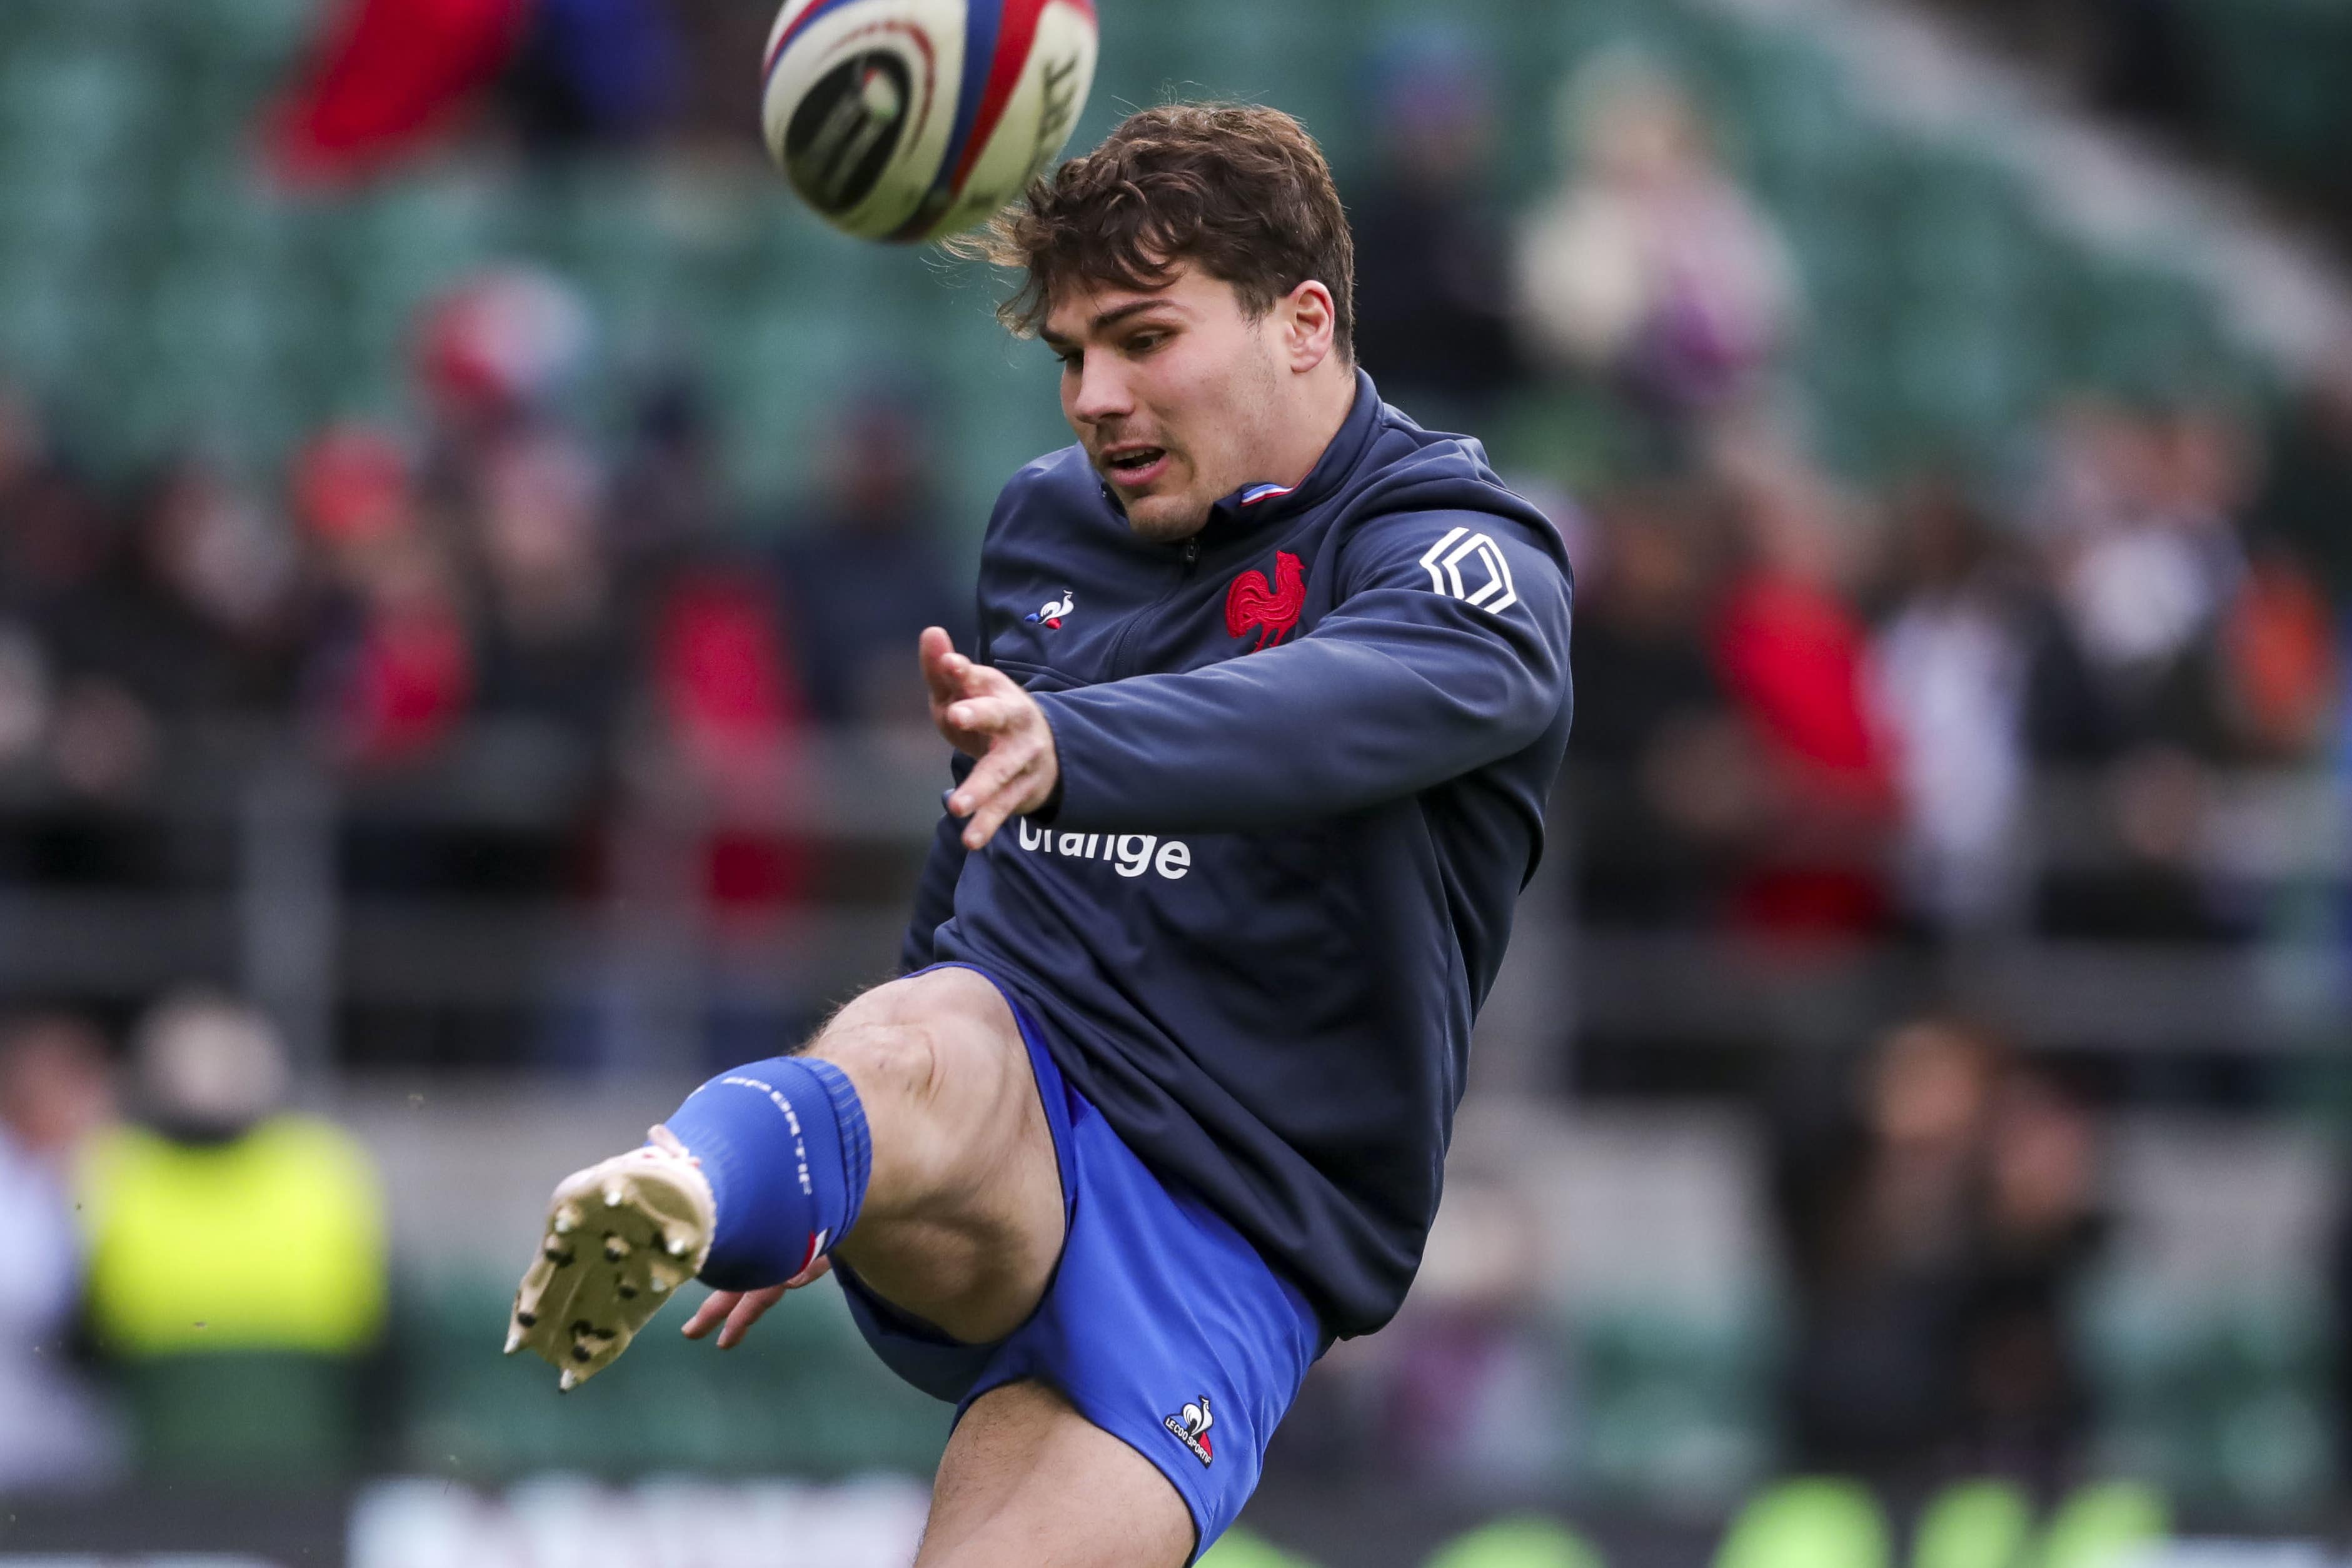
x=1270 y=690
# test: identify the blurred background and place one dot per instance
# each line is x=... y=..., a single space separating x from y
x=463 y=529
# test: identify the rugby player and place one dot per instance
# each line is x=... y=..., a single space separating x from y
x=1250 y=761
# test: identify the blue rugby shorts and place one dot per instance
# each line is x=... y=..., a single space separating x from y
x=1162 y=1325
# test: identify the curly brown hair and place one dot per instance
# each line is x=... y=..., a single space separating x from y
x=1239 y=189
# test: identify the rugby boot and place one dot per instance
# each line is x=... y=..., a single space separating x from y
x=622 y=1236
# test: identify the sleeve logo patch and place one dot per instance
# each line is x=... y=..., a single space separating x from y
x=1445 y=561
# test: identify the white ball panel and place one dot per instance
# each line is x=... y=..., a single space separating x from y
x=1037 y=122
x=859 y=109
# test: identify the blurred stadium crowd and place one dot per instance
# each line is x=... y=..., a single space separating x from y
x=1894 y=787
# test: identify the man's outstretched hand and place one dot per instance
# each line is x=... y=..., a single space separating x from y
x=985 y=714
x=733 y=1312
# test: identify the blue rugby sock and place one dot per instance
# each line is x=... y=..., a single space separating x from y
x=785 y=1146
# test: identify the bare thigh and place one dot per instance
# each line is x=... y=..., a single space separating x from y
x=1028 y=1482
x=963 y=1220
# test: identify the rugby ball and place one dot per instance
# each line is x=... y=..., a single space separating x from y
x=913 y=120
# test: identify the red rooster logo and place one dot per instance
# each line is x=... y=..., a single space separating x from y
x=1271 y=611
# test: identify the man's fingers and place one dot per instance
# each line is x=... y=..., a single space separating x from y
x=986 y=821
x=811 y=1275
x=937 y=651
x=1012 y=788
x=1007 y=762
x=738 y=1309
x=711 y=1313
x=750 y=1309
x=985 y=715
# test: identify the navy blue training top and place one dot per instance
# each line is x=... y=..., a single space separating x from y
x=1304 y=761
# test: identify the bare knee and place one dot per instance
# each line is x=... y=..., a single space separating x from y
x=937 y=1062
x=899 y=1055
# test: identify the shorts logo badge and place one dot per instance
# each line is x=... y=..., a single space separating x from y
x=1190 y=1428
x=1270 y=609
x=1051 y=611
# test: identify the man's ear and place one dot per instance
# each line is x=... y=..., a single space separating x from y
x=1308 y=324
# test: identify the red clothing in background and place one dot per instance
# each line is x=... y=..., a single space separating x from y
x=733 y=711
x=411 y=678
x=1791 y=655
x=390 y=73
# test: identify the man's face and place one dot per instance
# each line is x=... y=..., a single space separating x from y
x=1172 y=392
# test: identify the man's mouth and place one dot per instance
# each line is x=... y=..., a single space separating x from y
x=1131 y=467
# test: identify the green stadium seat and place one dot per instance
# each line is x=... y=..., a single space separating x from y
x=50 y=322
x=84 y=111
x=1955 y=371
x=1241 y=1547
x=253 y=35
x=253 y=1420
x=802 y=1395
x=1527 y=1542
x=1811 y=1523
x=2103 y=1525
x=1794 y=108
x=1974 y=1524
x=1677 y=1407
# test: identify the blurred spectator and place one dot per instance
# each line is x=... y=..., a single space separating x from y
x=385 y=77
x=1647 y=265
x=201 y=620
x=732 y=720
x=1433 y=285
x=1471 y=1388
x=1665 y=779
x=2306 y=494
x=2168 y=659
x=60 y=590
x=868 y=574
x=2281 y=681
x=1937 y=1223
x=389 y=75
x=2140 y=513
x=2024 y=1400
x=594 y=73
x=394 y=669
x=2145 y=879
x=1479 y=1395
x=494 y=355
x=552 y=647
x=24 y=695
x=666 y=496
x=56 y=540
x=56 y=1094
x=1792 y=654
x=237 y=1265
x=1876 y=1198
x=1951 y=670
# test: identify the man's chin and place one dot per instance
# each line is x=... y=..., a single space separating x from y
x=1164 y=520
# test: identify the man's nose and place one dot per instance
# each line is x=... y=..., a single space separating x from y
x=1102 y=392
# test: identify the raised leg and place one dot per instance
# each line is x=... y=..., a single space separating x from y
x=908 y=1138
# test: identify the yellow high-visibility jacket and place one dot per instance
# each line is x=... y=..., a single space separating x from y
x=272 y=1241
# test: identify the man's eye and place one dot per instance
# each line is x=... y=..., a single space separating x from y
x=1144 y=342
